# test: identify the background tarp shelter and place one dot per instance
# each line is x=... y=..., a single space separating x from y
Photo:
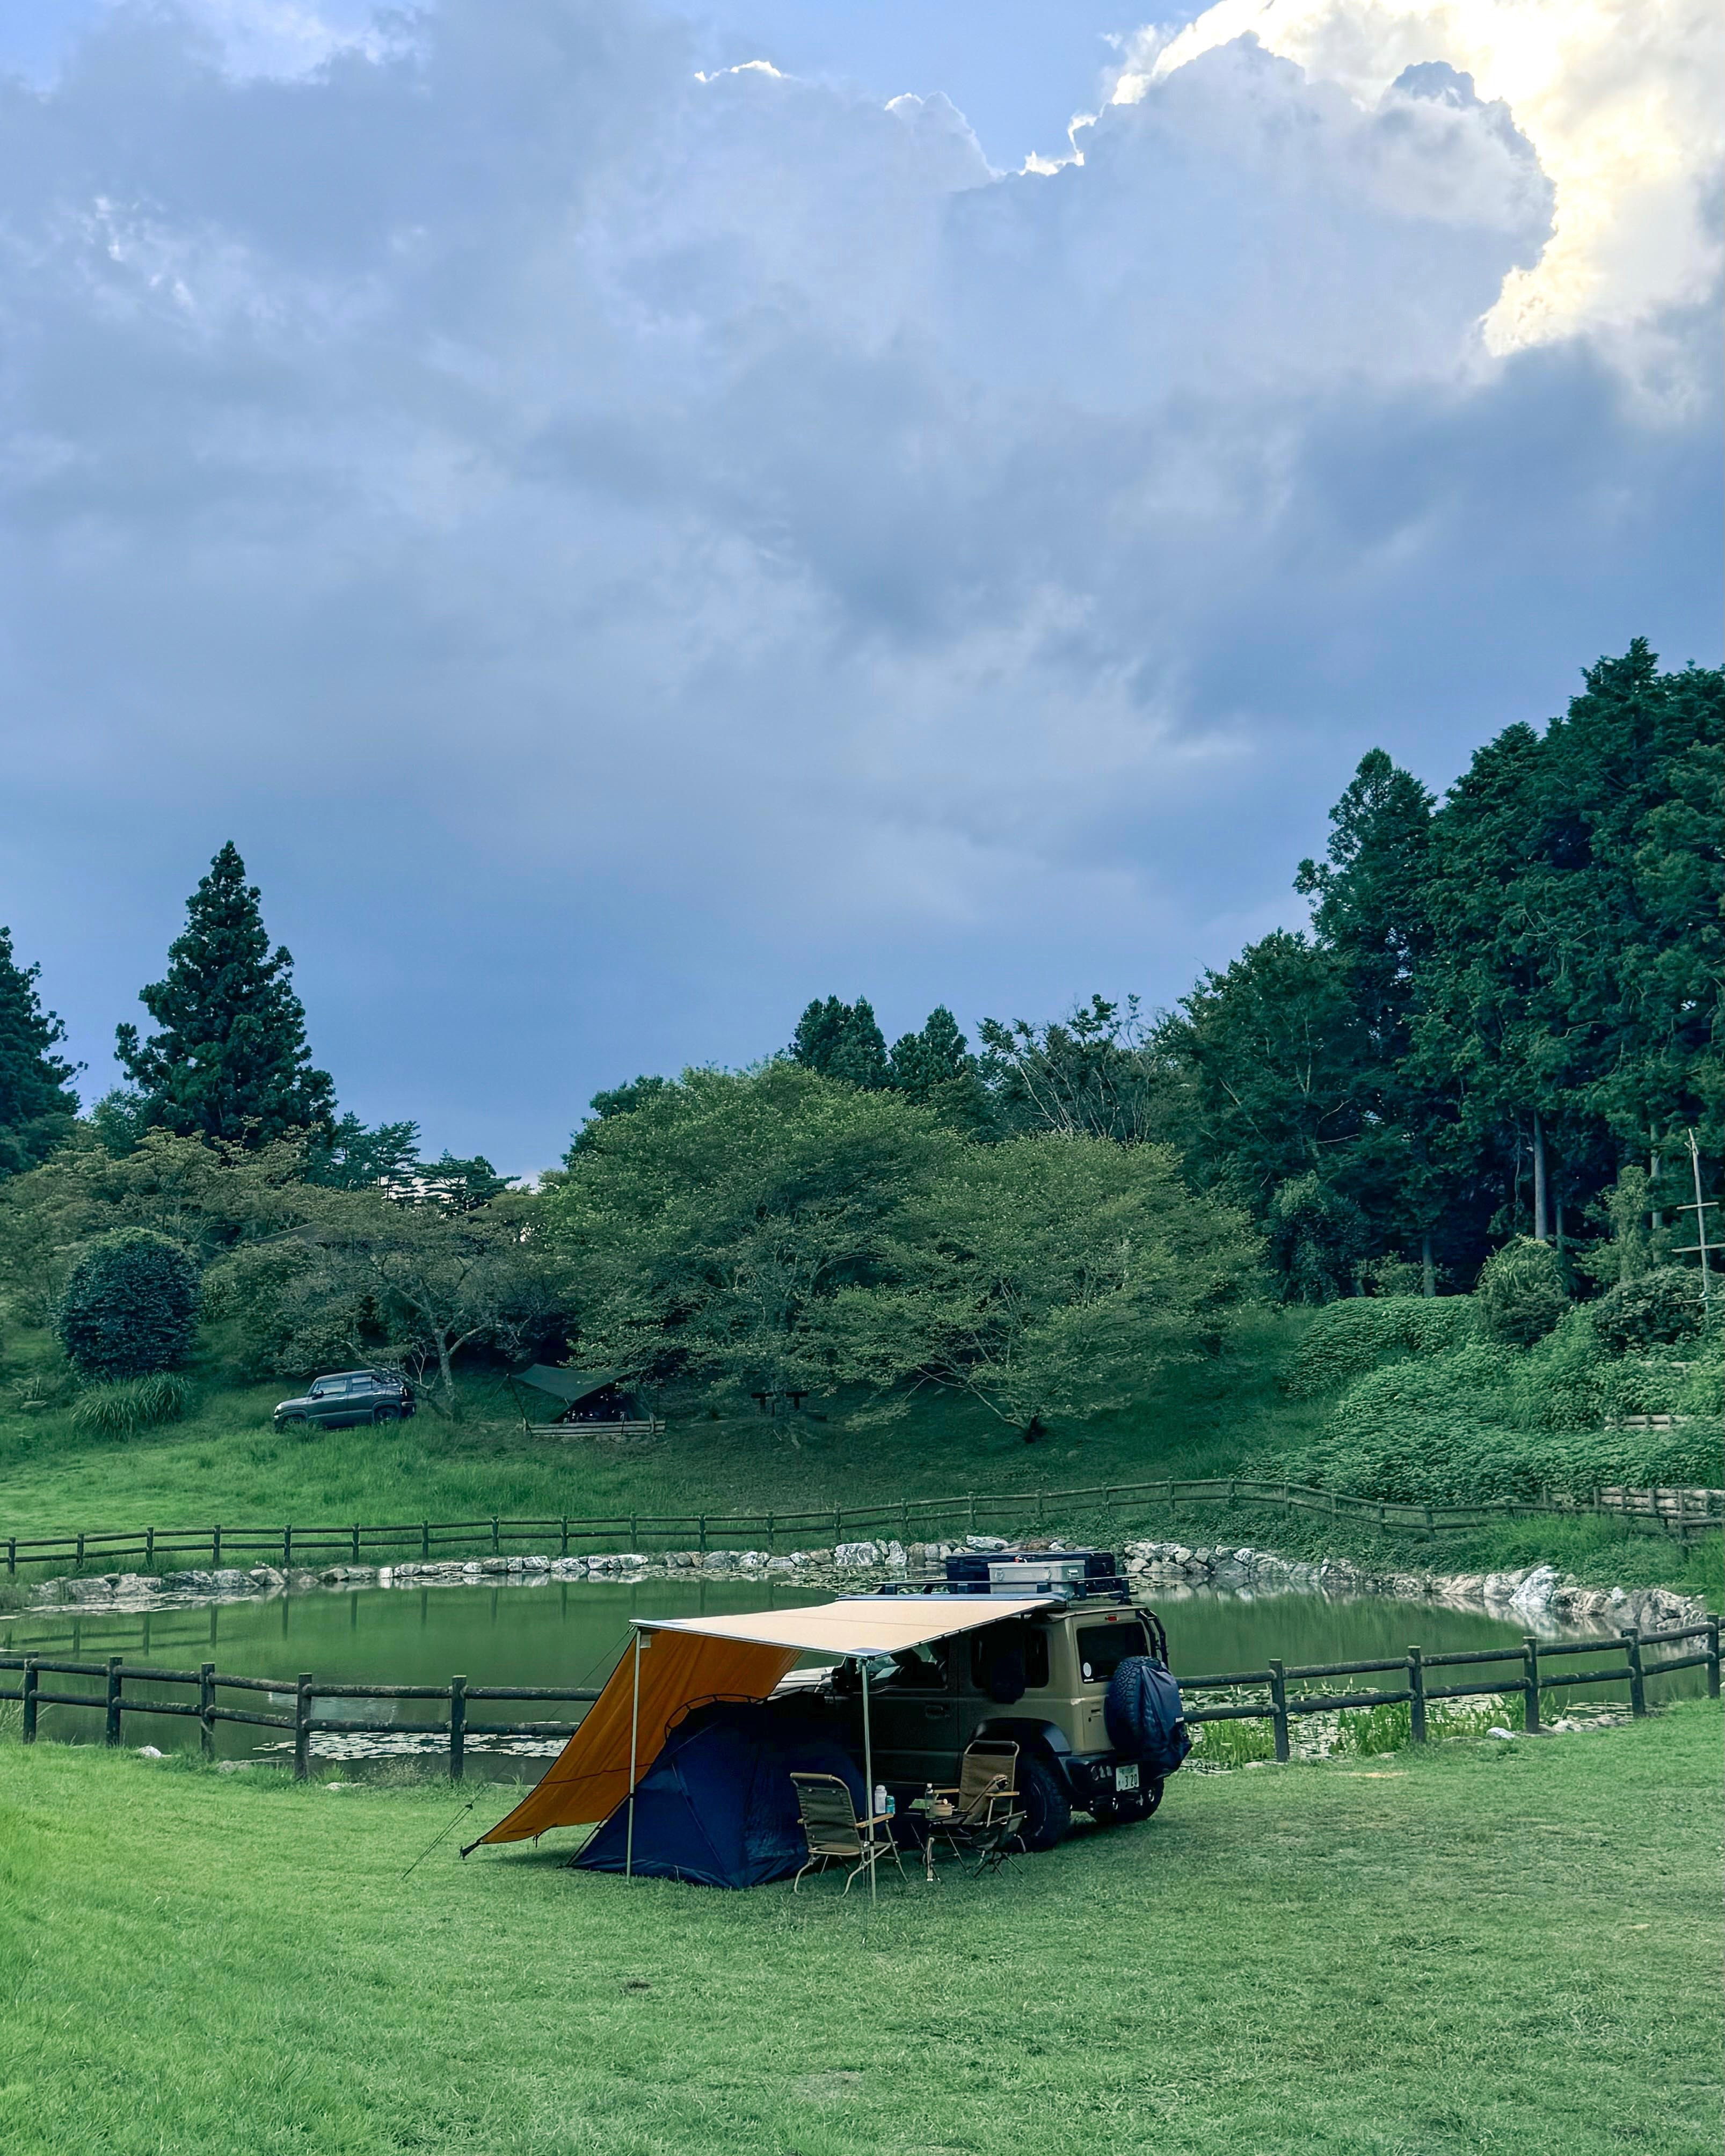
x=569 y=1386
x=676 y=1661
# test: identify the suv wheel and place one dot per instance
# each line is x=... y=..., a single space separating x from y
x=382 y=1415
x=1048 y=1810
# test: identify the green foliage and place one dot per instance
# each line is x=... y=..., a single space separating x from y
x=122 y=1409
x=351 y=1155
x=1315 y=1239
x=293 y=1307
x=1345 y=1339
x=843 y=1041
x=36 y=1102
x=231 y=1061
x=1521 y=1294
x=1048 y=1276
x=129 y=1307
x=1659 y=1308
x=1095 y=1074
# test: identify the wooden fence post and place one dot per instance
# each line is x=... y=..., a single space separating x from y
x=971 y=1501
x=1530 y=1684
x=11 y=1556
x=207 y=1709
x=149 y=1549
x=80 y=1552
x=1416 y=1690
x=112 y=1733
x=771 y=1530
x=1638 y=1692
x=703 y=1534
x=215 y=1545
x=564 y=1525
x=302 y=1726
x=458 y=1727
x=29 y=1692
x=634 y=1532
x=287 y=1547
x=1712 y=1658
x=356 y=1541
x=1279 y=1709
x=425 y=1538
x=496 y=1544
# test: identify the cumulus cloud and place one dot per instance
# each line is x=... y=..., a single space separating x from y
x=628 y=541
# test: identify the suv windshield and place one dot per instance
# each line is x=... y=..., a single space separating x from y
x=1102 y=1648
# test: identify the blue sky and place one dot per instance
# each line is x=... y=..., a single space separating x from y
x=632 y=521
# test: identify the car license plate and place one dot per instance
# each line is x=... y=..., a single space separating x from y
x=1126 y=1778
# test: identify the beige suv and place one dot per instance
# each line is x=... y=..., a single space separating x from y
x=1040 y=1678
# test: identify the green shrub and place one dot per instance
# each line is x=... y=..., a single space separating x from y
x=1521 y=1294
x=1661 y=1308
x=132 y=1404
x=1345 y=1339
x=129 y=1307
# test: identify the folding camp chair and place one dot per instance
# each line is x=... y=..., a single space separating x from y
x=985 y=1814
x=830 y=1822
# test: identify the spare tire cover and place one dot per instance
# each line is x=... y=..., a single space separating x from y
x=1143 y=1714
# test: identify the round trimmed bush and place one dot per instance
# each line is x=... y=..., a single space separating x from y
x=129 y=1307
x=1657 y=1310
x=1521 y=1294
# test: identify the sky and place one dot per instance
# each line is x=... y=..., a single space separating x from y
x=633 y=520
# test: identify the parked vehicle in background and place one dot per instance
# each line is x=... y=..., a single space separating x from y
x=347 y=1397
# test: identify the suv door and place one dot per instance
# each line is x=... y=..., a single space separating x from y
x=913 y=1718
x=329 y=1401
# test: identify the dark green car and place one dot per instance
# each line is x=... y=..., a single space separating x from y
x=347 y=1397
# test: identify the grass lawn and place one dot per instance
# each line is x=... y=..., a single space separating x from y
x=1483 y=1946
x=224 y=1462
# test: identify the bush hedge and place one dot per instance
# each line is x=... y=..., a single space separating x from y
x=129 y=1307
x=1345 y=1339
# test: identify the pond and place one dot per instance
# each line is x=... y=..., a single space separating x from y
x=570 y=1633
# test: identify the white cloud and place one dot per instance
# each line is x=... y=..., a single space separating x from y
x=1620 y=99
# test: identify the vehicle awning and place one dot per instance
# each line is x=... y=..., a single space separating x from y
x=742 y=1656
x=569 y=1386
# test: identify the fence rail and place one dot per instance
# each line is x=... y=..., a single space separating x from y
x=1532 y=1677
x=1684 y=1512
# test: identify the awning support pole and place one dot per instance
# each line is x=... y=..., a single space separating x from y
x=868 y=1775
x=634 y=1729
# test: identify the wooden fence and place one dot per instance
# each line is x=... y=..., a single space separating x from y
x=1684 y=1513
x=1274 y=1701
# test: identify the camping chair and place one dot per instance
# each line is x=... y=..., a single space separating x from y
x=830 y=1822
x=986 y=1815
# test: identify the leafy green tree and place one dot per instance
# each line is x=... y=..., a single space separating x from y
x=1316 y=1241
x=129 y=1307
x=231 y=1060
x=36 y=1102
x=705 y=1234
x=1521 y=1294
x=616 y=1101
x=1046 y=1276
x=1097 y=1073
x=843 y=1041
x=348 y=1155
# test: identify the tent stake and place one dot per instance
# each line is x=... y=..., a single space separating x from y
x=635 y=1725
x=868 y=1775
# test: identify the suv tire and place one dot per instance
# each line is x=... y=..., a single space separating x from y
x=383 y=1414
x=1048 y=1810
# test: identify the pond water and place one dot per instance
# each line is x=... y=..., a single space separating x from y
x=571 y=1632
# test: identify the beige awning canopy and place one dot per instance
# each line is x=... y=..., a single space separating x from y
x=680 y=1660
x=856 y=1624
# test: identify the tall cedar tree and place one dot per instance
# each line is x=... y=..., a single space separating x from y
x=231 y=1060
x=843 y=1041
x=36 y=1104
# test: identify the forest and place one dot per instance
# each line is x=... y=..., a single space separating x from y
x=1473 y=1115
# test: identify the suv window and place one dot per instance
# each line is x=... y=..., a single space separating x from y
x=1102 y=1648
x=922 y=1669
x=994 y=1653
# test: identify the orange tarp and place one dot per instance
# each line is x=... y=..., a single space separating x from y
x=589 y=1778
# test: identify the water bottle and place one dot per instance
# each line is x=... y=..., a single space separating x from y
x=882 y=1807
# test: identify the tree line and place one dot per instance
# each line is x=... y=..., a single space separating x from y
x=1500 y=1025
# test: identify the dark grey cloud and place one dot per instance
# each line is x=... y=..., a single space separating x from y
x=625 y=546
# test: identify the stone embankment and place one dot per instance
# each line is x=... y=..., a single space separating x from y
x=1538 y=1595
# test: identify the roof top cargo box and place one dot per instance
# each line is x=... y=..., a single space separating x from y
x=1030 y=1572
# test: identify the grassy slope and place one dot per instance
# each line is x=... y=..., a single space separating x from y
x=226 y=1463
x=1483 y=1946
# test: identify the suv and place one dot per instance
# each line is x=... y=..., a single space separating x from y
x=350 y=1396
x=1038 y=1678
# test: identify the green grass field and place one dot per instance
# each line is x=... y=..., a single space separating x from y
x=224 y=1462
x=1481 y=1946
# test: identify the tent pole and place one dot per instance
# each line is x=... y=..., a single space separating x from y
x=868 y=1773
x=634 y=1728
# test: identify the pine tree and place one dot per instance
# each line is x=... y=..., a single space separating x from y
x=231 y=1060
x=36 y=1104
x=843 y=1041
